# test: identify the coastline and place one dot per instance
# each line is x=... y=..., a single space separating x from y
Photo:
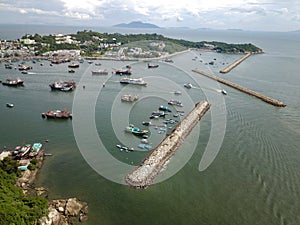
x=61 y=211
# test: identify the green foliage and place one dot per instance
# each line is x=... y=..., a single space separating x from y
x=31 y=166
x=15 y=207
x=34 y=161
x=9 y=166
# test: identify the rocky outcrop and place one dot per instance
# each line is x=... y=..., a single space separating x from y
x=64 y=211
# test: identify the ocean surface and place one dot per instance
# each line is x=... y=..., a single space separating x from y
x=254 y=178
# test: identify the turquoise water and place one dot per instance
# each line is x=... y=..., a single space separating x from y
x=254 y=178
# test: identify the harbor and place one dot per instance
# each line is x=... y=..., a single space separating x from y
x=143 y=175
x=243 y=89
x=235 y=63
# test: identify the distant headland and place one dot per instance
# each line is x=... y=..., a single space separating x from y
x=136 y=24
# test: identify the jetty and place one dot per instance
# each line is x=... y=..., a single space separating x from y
x=243 y=89
x=144 y=174
x=235 y=63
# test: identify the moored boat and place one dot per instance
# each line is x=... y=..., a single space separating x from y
x=151 y=66
x=175 y=102
x=123 y=72
x=63 y=85
x=73 y=65
x=15 y=82
x=100 y=72
x=129 y=98
x=57 y=114
x=134 y=81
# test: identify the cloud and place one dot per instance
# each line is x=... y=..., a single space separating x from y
x=12 y=8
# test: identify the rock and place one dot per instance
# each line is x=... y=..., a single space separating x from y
x=41 y=191
x=83 y=218
x=54 y=218
x=73 y=207
x=61 y=209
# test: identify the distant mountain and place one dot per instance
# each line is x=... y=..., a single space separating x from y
x=297 y=31
x=232 y=29
x=136 y=24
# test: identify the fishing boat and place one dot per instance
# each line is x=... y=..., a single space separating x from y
x=57 y=114
x=134 y=81
x=100 y=72
x=136 y=131
x=151 y=66
x=63 y=85
x=164 y=108
x=71 y=71
x=123 y=72
x=24 y=67
x=169 y=60
x=129 y=98
x=73 y=65
x=175 y=102
x=15 y=82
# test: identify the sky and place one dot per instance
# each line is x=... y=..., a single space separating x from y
x=260 y=15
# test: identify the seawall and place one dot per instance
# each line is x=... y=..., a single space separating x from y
x=243 y=89
x=144 y=174
x=235 y=63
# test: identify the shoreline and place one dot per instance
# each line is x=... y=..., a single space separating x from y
x=61 y=211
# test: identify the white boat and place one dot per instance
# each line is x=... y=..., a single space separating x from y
x=100 y=72
x=134 y=81
x=188 y=85
x=129 y=98
x=224 y=92
x=9 y=105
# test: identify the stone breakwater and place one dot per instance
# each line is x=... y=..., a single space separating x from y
x=243 y=89
x=235 y=63
x=143 y=175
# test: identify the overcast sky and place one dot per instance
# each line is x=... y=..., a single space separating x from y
x=269 y=15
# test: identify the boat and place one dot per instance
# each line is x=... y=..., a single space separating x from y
x=47 y=154
x=90 y=62
x=8 y=66
x=177 y=92
x=80 y=60
x=57 y=114
x=151 y=66
x=136 y=131
x=169 y=60
x=100 y=72
x=188 y=85
x=224 y=92
x=23 y=150
x=98 y=64
x=145 y=146
x=36 y=147
x=24 y=67
x=146 y=123
x=63 y=85
x=164 y=108
x=134 y=81
x=73 y=65
x=123 y=72
x=9 y=105
x=175 y=102
x=24 y=72
x=129 y=98
x=15 y=82
x=71 y=71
